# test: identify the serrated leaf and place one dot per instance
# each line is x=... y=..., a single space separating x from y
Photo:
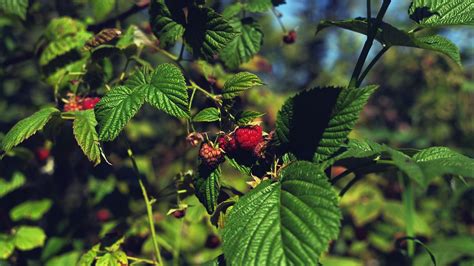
x=168 y=91
x=437 y=161
x=241 y=49
x=61 y=27
x=238 y=83
x=6 y=248
x=258 y=5
x=207 y=186
x=245 y=170
x=245 y=117
x=17 y=181
x=432 y=13
x=232 y=10
x=86 y=136
x=336 y=111
x=88 y=258
x=107 y=259
x=166 y=25
x=100 y=9
x=27 y=127
x=289 y=222
x=29 y=237
x=391 y=36
x=31 y=210
x=60 y=47
x=15 y=7
x=210 y=114
x=115 y=109
x=408 y=166
x=207 y=32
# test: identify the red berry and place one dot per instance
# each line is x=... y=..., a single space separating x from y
x=290 y=37
x=248 y=137
x=42 y=154
x=90 y=102
x=178 y=214
x=227 y=143
x=73 y=104
x=103 y=215
x=211 y=156
x=212 y=241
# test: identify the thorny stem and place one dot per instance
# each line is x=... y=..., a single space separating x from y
x=371 y=64
x=368 y=43
x=278 y=18
x=148 y=204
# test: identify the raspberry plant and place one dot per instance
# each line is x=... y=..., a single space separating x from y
x=291 y=213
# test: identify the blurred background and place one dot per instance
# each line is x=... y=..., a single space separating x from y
x=424 y=100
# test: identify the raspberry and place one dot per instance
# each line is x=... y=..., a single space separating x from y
x=73 y=104
x=103 y=215
x=194 y=138
x=90 y=102
x=227 y=143
x=290 y=37
x=210 y=156
x=178 y=214
x=248 y=137
x=42 y=154
x=259 y=150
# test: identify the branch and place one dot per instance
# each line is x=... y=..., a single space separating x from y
x=121 y=17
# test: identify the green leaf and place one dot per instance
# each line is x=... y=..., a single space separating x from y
x=6 y=248
x=86 y=135
x=31 y=210
x=207 y=32
x=448 y=251
x=61 y=27
x=391 y=36
x=107 y=260
x=88 y=258
x=289 y=222
x=115 y=109
x=245 y=170
x=29 y=237
x=407 y=165
x=63 y=47
x=336 y=111
x=245 y=117
x=364 y=202
x=207 y=186
x=432 y=13
x=167 y=91
x=244 y=47
x=238 y=83
x=210 y=114
x=17 y=181
x=28 y=127
x=166 y=25
x=69 y=258
x=100 y=9
x=437 y=161
x=15 y=7
x=439 y=44
x=258 y=5
x=232 y=10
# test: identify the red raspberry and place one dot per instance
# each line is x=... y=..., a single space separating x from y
x=73 y=104
x=210 y=156
x=248 y=137
x=103 y=215
x=227 y=143
x=42 y=154
x=90 y=102
x=290 y=37
x=178 y=214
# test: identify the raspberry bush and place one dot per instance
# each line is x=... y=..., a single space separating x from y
x=104 y=80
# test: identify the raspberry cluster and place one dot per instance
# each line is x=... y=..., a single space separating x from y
x=76 y=103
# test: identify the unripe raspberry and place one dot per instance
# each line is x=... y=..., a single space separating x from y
x=90 y=102
x=248 y=137
x=74 y=103
x=42 y=154
x=178 y=214
x=194 y=138
x=227 y=143
x=290 y=37
x=211 y=156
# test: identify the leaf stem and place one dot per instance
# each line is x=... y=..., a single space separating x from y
x=371 y=64
x=278 y=18
x=208 y=94
x=148 y=204
x=409 y=205
x=141 y=260
x=368 y=43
